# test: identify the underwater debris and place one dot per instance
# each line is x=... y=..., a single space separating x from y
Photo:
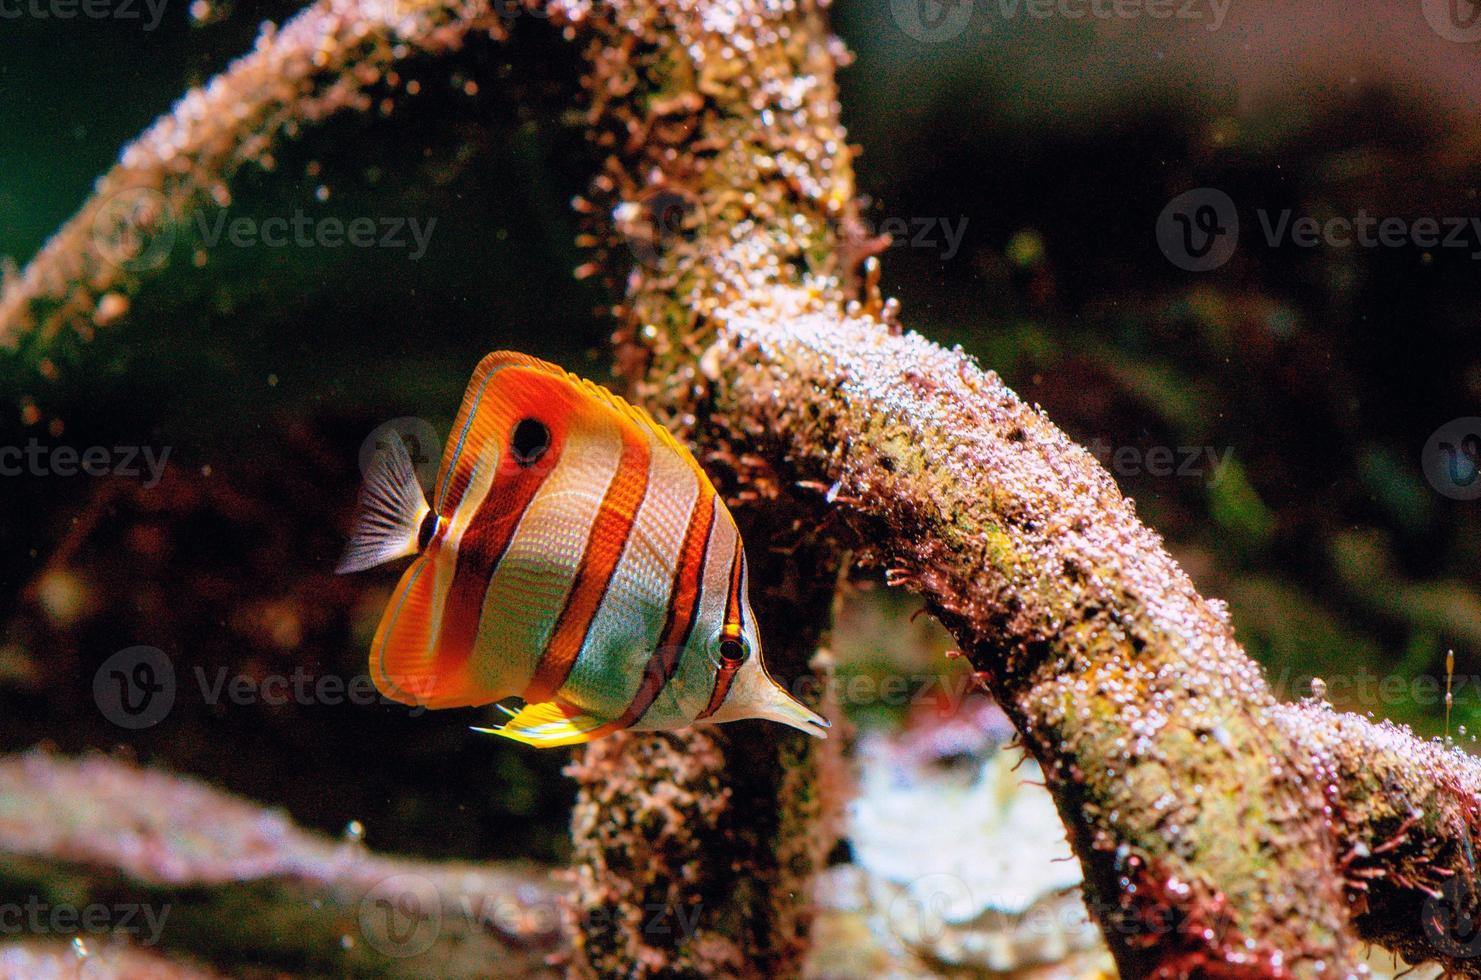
x=187 y=847
x=963 y=858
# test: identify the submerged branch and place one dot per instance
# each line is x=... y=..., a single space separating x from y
x=1196 y=818
x=332 y=59
x=1407 y=816
x=1221 y=833
x=198 y=871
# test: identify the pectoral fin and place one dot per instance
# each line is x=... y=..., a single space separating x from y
x=547 y=725
x=392 y=508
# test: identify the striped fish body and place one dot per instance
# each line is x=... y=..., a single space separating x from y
x=574 y=557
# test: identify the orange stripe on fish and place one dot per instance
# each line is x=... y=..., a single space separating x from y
x=614 y=523
x=683 y=609
x=479 y=552
x=429 y=660
x=407 y=625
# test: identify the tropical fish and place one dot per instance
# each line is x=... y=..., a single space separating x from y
x=575 y=560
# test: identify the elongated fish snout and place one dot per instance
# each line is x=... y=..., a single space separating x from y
x=790 y=711
x=756 y=695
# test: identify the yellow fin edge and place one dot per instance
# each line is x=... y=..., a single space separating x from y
x=547 y=725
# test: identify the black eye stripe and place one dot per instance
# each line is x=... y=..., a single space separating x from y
x=530 y=440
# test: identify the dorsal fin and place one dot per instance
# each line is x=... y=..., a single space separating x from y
x=469 y=426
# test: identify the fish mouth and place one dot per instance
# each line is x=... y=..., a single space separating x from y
x=795 y=714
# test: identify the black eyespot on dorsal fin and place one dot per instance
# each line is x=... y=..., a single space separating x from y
x=529 y=442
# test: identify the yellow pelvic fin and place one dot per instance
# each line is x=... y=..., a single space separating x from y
x=547 y=725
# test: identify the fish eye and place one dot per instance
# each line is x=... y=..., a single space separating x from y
x=530 y=440
x=734 y=651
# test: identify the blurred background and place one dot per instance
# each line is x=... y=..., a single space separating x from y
x=1136 y=219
